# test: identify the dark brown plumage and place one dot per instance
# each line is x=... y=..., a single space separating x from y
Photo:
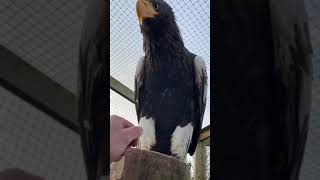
x=92 y=90
x=261 y=90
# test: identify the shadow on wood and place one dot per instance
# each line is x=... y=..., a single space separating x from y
x=141 y=164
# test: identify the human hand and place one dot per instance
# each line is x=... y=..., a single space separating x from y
x=123 y=135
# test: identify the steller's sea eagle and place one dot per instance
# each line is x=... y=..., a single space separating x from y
x=170 y=84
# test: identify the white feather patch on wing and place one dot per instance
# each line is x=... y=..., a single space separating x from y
x=138 y=72
x=180 y=141
x=139 y=67
x=148 y=138
x=200 y=67
x=201 y=75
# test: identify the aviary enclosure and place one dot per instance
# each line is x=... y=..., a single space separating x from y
x=38 y=41
x=126 y=47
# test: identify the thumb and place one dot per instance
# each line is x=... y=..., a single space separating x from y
x=132 y=133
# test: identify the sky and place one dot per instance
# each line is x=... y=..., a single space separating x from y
x=193 y=19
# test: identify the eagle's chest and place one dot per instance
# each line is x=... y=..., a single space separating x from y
x=168 y=87
x=174 y=76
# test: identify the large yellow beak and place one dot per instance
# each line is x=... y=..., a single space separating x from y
x=145 y=10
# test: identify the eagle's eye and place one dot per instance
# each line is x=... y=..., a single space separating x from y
x=156 y=6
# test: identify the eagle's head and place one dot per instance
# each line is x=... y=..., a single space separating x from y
x=155 y=16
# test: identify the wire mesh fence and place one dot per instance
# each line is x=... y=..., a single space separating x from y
x=33 y=141
x=122 y=107
x=45 y=34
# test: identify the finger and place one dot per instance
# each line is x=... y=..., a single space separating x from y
x=132 y=133
x=126 y=124
x=123 y=122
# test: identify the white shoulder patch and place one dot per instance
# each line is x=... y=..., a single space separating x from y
x=139 y=66
x=148 y=138
x=200 y=68
x=137 y=77
x=205 y=94
x=180 y=141
x=201 y=75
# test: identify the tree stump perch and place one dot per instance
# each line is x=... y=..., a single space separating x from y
x=144 y=165
x=200 y=160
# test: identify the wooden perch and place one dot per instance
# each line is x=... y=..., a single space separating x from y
x=141 y=164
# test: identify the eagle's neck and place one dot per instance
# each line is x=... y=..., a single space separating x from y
x=164 y=42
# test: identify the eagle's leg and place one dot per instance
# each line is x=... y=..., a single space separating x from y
x=180 y=141
x=148 y=138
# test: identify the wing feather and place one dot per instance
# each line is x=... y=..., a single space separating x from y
x=92 y=88
x=201 y=99
x=138 y=83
